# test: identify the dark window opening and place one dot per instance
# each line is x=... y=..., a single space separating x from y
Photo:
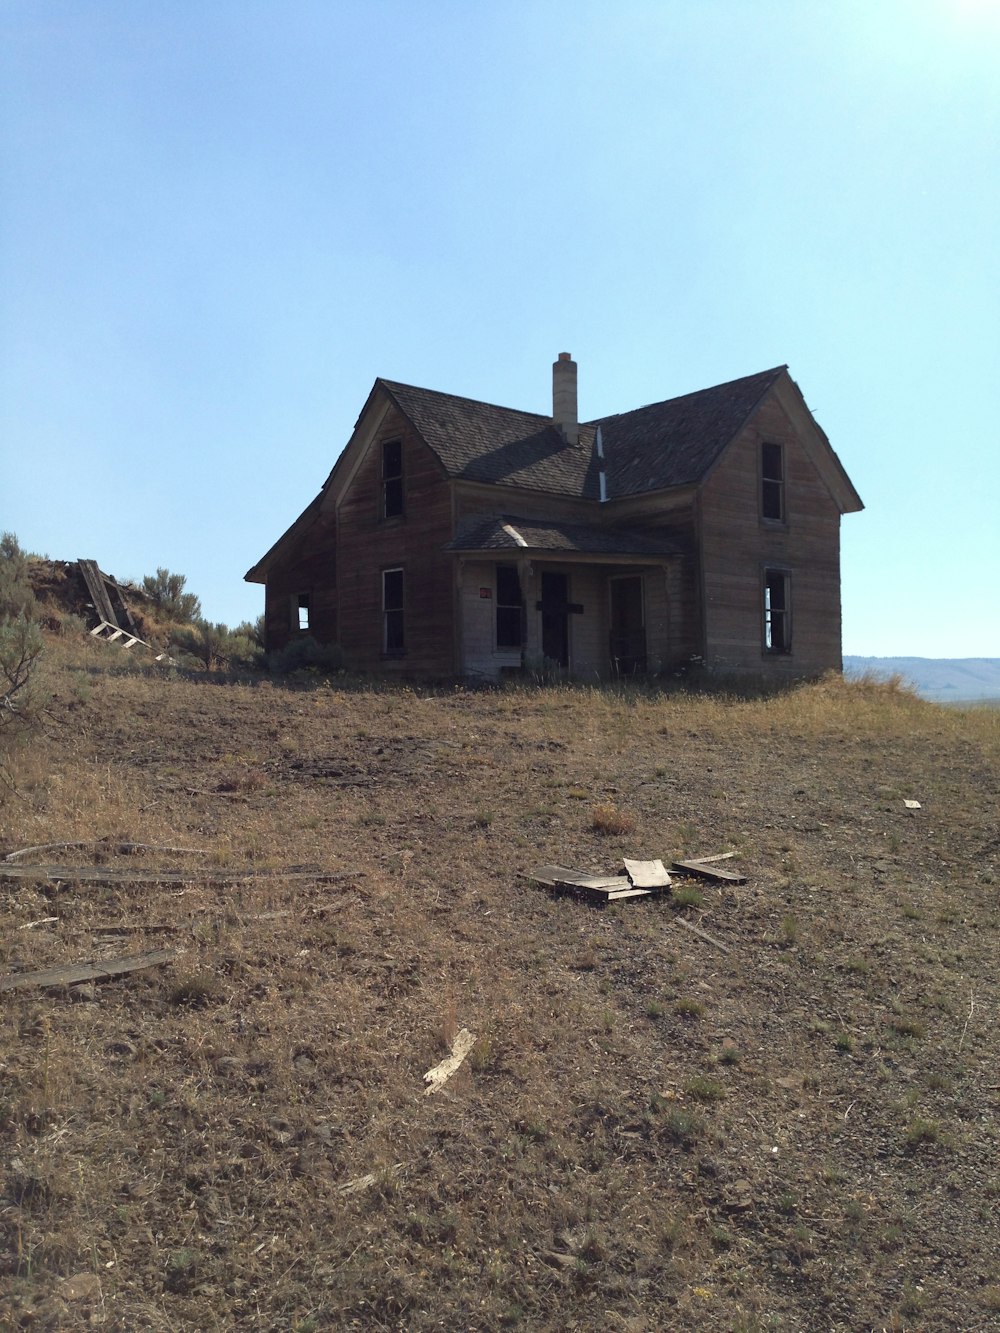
x=510 y=608
x=392 y=478
x=302 y=611
x=393 y=643
x=777 y=623
x=772 y=481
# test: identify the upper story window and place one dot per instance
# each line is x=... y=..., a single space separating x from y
x=772 y=482
x=510 y=609
x=392 y=478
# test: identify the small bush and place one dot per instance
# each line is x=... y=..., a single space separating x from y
x=166 y=591
x=689 y=1008
x=682 y=1126
x=20 y=648
x=306 y=654
x=610 y=821
x=687 y=896
x=707 y=1090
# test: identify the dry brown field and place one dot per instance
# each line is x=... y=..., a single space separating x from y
x=650 y=1133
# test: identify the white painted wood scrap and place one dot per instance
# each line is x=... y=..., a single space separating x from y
x=647 y=874
x=440 y=1074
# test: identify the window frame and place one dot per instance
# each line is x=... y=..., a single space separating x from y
x=301 y=601
x=508 y=607
x=391 y=483
x=398 y=647
x=780 y=644
x=773 y=488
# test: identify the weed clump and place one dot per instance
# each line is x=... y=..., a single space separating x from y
x=611 y=821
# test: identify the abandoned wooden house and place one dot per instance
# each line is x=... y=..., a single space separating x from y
x=456 y=537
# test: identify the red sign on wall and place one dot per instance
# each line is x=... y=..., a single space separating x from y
x=486 y=593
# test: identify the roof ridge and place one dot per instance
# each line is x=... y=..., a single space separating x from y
x=693 y=393
x=392 y=385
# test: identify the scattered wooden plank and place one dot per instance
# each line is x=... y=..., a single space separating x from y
x=719 y=856
x=441 y=1073
x=647 y=874
x=113 y=875
x=73 y=973
x=615 y=895
x=122 y=848
x=94 y=580
x=709 y=872
x=702 y=934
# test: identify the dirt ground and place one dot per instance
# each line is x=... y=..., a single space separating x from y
x=795 y=1131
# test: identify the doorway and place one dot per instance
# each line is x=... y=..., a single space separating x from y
x=554 y=607
x=628 y=626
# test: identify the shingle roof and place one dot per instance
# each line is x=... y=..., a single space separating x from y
x=481 y=442
x=673 y=443
x=503 y=532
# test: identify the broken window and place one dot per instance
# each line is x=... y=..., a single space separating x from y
x=510 y=608
x=392 y=613
x=777 y=608
x=772 y=482
x=392 y=478
x=302 y=611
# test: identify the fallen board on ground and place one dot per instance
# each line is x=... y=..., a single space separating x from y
x=647 y=874
x=709 y=872
x=73 y=973
x=113 y=875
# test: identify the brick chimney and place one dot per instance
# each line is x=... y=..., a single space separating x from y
x=564 y=412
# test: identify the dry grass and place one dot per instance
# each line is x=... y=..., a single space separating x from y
x=647 y=1133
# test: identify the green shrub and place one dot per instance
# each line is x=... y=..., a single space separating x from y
x=306 y=654
x=20 y=648
x=166 y=590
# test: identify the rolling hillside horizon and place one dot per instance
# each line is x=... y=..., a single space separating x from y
x=943 y=679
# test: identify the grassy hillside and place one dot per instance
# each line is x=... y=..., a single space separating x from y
x=650 y=1133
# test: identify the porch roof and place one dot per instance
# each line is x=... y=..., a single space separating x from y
x=509 y=533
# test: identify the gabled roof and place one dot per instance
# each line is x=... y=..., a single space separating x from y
x=673 y=443
x=506 y=532
x=500 y=445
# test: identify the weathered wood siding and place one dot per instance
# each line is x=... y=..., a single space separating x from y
x=309 y=567
x=368 y=544
x=737 y=544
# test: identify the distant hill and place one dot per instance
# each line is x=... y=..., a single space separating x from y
x=943 y=679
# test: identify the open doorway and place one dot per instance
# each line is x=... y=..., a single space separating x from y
x=628 y=626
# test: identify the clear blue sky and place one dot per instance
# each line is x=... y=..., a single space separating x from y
x=221 y=219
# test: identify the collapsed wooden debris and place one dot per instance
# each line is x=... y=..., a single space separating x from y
x=441 y=1073
x=72 y=974
x=637 y=879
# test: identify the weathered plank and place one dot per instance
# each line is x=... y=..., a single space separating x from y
x=110 y=875
x=702 y=934
x=647 y=874
x=73 y=973
x=709 y=872
x=615 y=895
x=440 y=1074
x=94 y=580
x=123 y=848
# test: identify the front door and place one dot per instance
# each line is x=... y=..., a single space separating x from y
x=628 y=626
x=555 y=620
